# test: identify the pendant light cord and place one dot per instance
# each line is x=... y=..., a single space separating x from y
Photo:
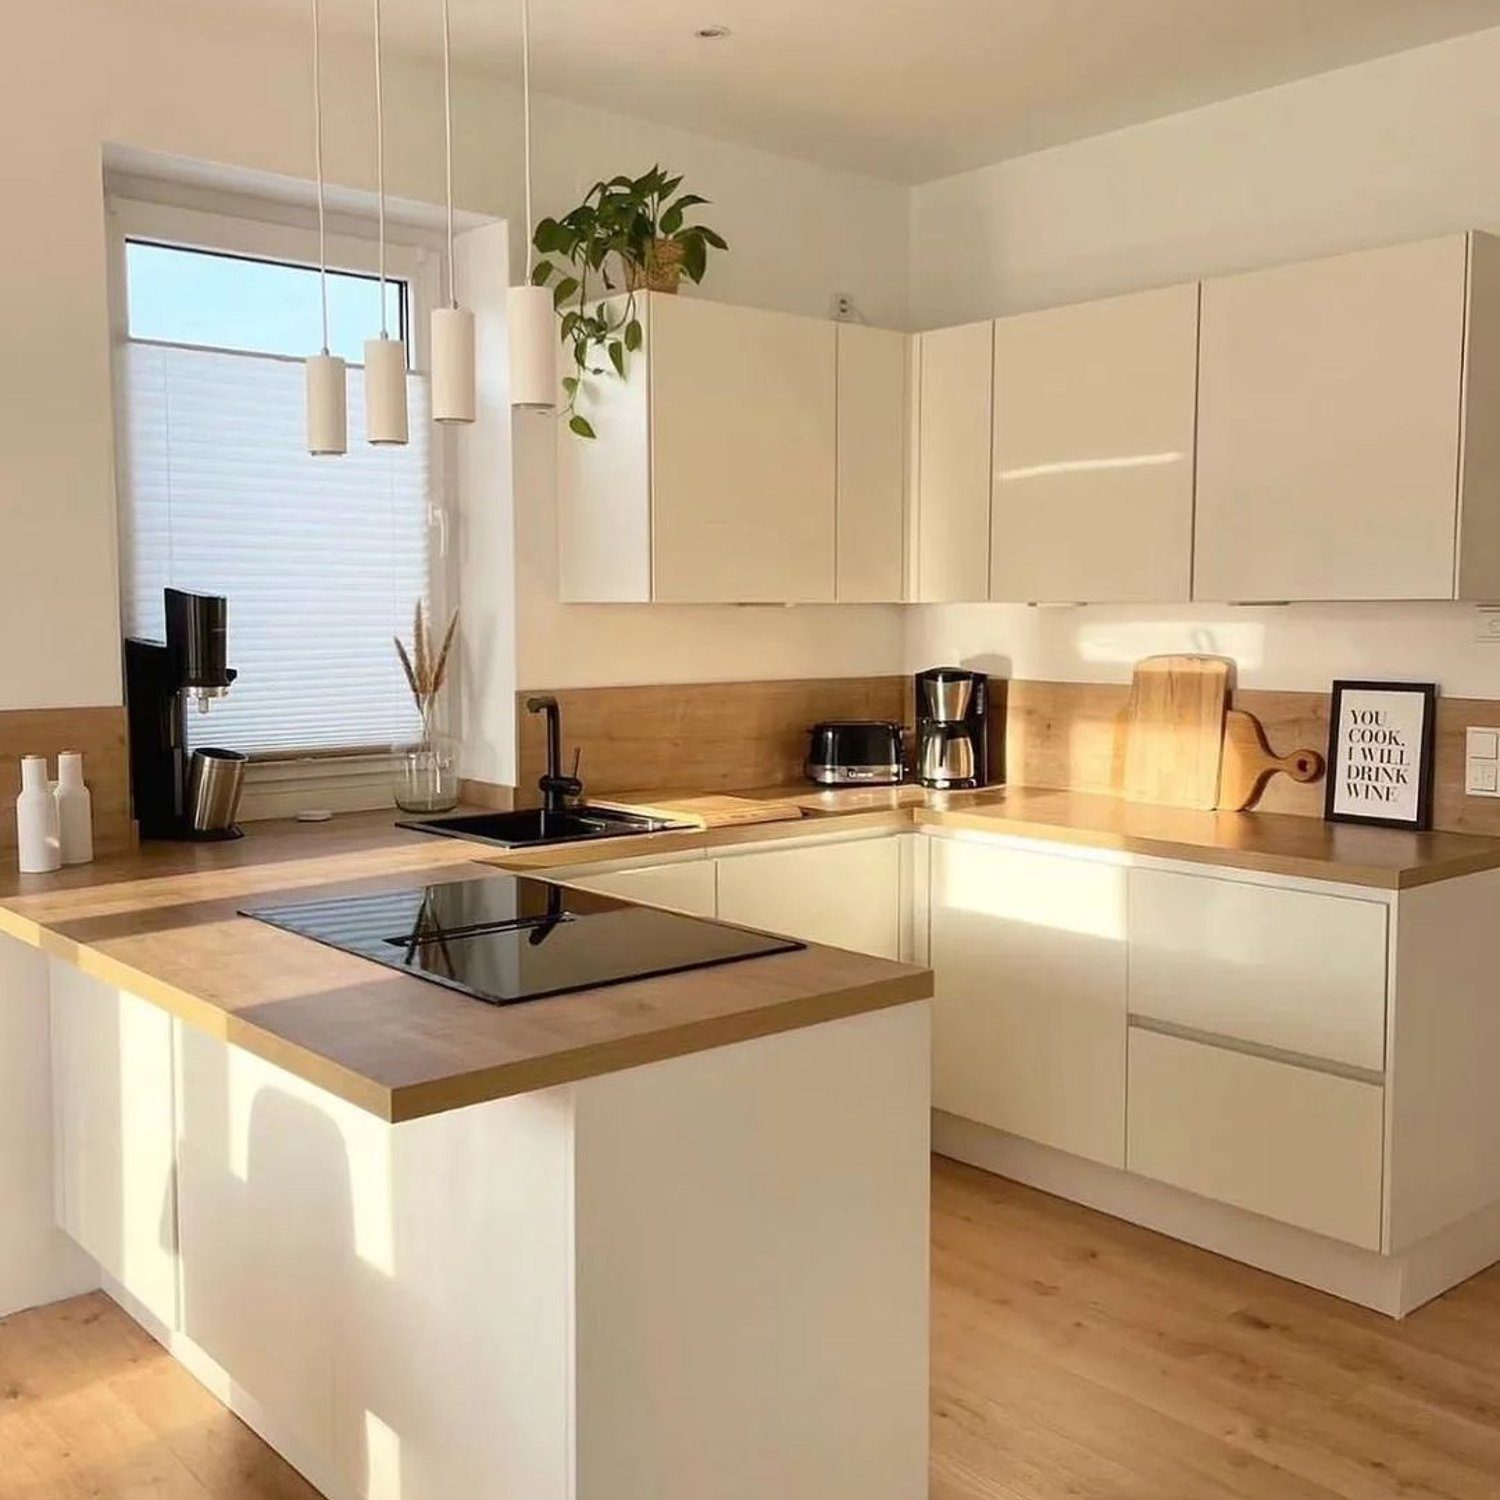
x=318 y=161
x=448 y=146
x=380 y=170
x=526 y=119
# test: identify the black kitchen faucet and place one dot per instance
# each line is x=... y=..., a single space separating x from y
x=556 y=788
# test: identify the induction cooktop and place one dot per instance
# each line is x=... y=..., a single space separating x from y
x=504 y=938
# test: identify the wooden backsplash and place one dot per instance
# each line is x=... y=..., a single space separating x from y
x=100 y=734
x=1062 y=734
x=716 y=736
x=728 y=735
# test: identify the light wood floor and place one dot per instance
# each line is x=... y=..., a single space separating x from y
x=1074 y=1358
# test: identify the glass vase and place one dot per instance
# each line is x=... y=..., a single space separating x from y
x=426 y=772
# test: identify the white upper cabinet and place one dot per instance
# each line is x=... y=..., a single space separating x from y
x=873 y=369
x=714 y=476
x=742 y=453
x=1094 y=411
x=950 y=553
x=1347 y=448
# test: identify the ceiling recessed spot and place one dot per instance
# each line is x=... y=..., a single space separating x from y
x=712 y=33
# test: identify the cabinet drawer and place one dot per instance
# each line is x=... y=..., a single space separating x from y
x=1285 y=1141
x=1288 y=969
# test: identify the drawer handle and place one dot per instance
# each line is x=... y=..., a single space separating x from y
x=1257 y=1049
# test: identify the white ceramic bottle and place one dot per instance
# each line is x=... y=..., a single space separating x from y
x=38 y=841
x=75 y=809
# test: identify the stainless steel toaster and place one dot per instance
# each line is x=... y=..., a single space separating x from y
x=855 y=752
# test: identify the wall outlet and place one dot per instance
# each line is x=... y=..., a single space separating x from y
x=841 y=310
x=1487 y=625
x=1482 y=762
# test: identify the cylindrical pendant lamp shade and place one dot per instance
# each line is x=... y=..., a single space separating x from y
x=385 y=390
x=533 y=347
x=452 y=364
x=327 y=405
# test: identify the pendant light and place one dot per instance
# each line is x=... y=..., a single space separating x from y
x=327 y=395
x=385 y=357
x=452 y=326
x=528 y=308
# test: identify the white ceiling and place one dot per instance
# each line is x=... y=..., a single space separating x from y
x=914 y=89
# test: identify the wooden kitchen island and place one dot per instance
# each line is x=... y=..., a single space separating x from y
x=665 y=1239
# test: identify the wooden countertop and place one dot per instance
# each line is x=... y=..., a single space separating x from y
x=163 y=923
x=1273 y=843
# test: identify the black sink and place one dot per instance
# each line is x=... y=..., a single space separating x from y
x=534 y=825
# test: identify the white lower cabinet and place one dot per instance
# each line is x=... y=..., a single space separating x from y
x=265 y=1199
x=1029 y=1026
x=113 y=1141
x=845 y=894
x=1279 y=1139
x=688 y=886
x=1278 y=967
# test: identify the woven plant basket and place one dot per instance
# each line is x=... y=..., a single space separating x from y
x=662 y=271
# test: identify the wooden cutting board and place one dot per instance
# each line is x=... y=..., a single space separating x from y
x=1248 y=763
x=704 y=809
x=1173 y=731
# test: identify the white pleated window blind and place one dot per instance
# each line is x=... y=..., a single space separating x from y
x=321 y=559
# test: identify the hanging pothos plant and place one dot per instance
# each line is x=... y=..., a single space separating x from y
x=629 y=234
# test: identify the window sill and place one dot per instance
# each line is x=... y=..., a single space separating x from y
x=331 y=783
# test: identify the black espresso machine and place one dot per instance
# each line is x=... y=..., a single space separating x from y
x=181 y=794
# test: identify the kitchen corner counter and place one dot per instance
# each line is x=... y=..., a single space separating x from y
x=1271 y=843
x=162 y=923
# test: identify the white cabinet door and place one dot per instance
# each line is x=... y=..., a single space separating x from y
x=1328 y=430
x=266 y=1173
x=873 y=365
x=112 y=1099
x=688 y=887
x=951 y=541
x=1095 y=407
x=1029 y=1021
x=1290 y=969
x=845 y=895
x=742 y=453
x=1285 y=1141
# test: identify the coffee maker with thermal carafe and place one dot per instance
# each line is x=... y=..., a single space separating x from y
x=172 y=797
x=954 y=743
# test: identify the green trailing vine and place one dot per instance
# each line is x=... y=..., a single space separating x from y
x=629 y=234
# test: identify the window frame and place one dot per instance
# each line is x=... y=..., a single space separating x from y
x=280 y=783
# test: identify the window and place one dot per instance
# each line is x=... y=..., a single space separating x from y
x=321 y=559
x=180 y=295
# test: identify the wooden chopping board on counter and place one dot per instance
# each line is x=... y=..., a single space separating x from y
x=1249 y=764
x=704 y=809
x=1172 y=731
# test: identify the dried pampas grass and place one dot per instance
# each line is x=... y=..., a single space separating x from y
x=425 y=672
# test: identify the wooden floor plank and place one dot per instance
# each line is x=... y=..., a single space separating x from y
x=1075 y=1357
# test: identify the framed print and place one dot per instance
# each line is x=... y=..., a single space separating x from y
x=1380 y=738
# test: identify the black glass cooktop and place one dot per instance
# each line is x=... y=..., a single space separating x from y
x=501 y=938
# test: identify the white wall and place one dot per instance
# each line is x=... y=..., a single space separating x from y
x=211 y=82
x=1395 y=149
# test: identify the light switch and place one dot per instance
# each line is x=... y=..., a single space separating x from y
x=1484 y=744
